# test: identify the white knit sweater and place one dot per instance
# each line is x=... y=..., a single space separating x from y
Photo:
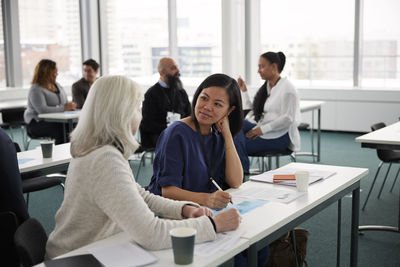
x=102 y=199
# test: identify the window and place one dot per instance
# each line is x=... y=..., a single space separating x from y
x=2 y=58
x=381 y=44
x=137 y=37
x=51 y=29
x=199 y=39
x=316 y=36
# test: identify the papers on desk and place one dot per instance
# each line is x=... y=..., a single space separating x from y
x=242 y=206
x=315 y=175
x=123 y=255
x=22 y=161
x=267 y=194
x=223 y=242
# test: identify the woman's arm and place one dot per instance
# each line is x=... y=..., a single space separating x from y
x=233 y=166
x=216 y=200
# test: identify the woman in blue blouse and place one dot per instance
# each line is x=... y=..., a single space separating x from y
x=191 y=151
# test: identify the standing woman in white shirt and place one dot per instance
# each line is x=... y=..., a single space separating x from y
x=275 y=112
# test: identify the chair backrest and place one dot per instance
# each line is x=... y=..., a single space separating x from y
x=383 y=154
x=8 y=226
x=13 y=116
x=30 y=241
x=378 y=126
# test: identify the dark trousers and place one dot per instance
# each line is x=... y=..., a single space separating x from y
x=46 y=129
x=245 y=146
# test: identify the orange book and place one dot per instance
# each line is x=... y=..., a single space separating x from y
x=284 y=177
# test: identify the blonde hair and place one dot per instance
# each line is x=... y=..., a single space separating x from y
x=111 y=109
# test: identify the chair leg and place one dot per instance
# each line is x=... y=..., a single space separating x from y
x=27 y=201
x=262 y=164
x=269 y=163
x=395 y=179
x=277 y=162
x=62 y=186
x=142 y=159
x=384 y=180
x=372 y=185
x=293 y=157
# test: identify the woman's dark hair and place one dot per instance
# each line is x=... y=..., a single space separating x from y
x=261 y=96
x=235 y=99
x=278 y=58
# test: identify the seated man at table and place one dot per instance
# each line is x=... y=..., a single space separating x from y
x=164 y=103
x=80 y=89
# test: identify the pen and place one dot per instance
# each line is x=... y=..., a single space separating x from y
x=219 y=188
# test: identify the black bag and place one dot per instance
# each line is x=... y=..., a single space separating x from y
x=282 y=252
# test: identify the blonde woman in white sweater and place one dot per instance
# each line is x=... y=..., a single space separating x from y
x=101 y=196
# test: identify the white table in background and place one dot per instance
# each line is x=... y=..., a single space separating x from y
x=384 y=138
x=387 y=138
x=267 y=223
x=165 y=257
x=39 y=165
x=67 y=117
x=311 y=105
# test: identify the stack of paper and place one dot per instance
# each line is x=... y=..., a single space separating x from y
x=223 y=242
x=123 y=255
x=267 y=194
x=315 y=175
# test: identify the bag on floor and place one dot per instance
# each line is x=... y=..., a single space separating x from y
x=282 y=252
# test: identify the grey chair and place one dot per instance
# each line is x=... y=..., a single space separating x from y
x=30 y=241
x=386 y=156
x=38 y=183
x=271 y=154
x=8 y=226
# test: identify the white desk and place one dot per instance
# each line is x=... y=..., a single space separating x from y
x=59 y=161
x=308 y=105
x=385 y=138
x=67 y=117
x=267 y=223
x=13 y=104
x=165 y=257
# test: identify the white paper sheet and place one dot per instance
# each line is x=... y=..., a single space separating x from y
x=315 y=175
x=223 y=242
x=269 y=194
x=123 y=255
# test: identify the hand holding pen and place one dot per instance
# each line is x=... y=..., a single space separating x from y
x=226 y=195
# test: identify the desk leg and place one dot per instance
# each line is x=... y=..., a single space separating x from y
x=312 y=136
x=319 y=136
x=252 y=255
x=354 y=227
x=339 y=231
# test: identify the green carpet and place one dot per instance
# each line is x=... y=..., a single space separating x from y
x=375 y=248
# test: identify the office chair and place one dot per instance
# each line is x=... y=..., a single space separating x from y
x=386 y=156
x=8 y=226
x=30 y=242
x=269 y=155
x=38 y=183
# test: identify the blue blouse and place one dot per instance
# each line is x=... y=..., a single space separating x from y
x=179 y=160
